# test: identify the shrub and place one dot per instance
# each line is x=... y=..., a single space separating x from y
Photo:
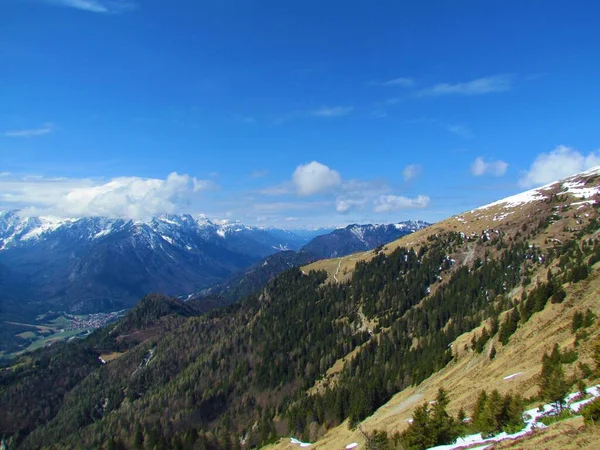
x=591 y=412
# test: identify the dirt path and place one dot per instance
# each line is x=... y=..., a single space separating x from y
x=337 y=271
x=404 y=405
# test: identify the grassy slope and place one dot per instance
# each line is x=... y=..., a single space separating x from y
x=471 y=373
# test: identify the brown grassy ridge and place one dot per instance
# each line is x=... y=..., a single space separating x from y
x=471 y=372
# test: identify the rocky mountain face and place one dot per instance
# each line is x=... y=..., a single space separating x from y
x=359 y=238
x=100 y=264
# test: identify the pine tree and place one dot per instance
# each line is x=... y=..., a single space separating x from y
x=553 y=384
x=419 y=435
x=443 y=424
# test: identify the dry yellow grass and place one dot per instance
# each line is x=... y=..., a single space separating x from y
x=465 y=377
x=471 y=373
x=108 y=357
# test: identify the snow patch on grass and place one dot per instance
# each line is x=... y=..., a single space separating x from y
x=532 y=421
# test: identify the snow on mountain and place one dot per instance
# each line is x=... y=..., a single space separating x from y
x=575 y=185
x=96 y=263
x=176 y=230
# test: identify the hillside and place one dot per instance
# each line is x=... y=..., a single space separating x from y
x=340 y=242
x=362 y=339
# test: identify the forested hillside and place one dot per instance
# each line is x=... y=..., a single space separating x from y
x=306 y=354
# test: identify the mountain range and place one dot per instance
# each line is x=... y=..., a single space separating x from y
x=497 y=305
x=98 y=264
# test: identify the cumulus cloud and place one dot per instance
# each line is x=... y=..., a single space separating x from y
x=314 y=177
x=480 y=86
x=411 y=171
x=559 y=163
x=388 y=203
x=482 y=167
x=123 y=197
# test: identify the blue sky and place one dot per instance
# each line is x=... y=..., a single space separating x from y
x=292 y=113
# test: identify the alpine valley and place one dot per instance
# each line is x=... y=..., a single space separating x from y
x=497 y=306
x=55 y=273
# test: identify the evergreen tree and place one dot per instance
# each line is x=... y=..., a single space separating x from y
x=553 y=384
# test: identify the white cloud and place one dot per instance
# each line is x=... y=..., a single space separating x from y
x=388 y=203
x=96 y=6
x=400 y=81
x=44 y=129
x=481 y=167
x=125 y=197
x=411 y=171
x=332 y=111
x=343 y=205
x=480 y=86
x=314 y=177
x=559 y=163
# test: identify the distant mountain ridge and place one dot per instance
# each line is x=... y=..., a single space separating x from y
x=98 y=264
x=340 y=242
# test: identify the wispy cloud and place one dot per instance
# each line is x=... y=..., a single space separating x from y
x=411 y=172
x=400 y=81
x=389 y=203
x=259 y=173
x=405 y=82
x=324 y=112
x=332 y=111
x=95 y=6
x=482 y=167
x=456 y=129
x=31 y=132
x=480 y=86
x=459 y=130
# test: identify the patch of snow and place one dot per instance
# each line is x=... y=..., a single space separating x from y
x=99 y=234
x=578 y=189
x=530 y=417
x=502 y=216
x=46 y=224
x=359 y=232
x=167 y=238
x=221 y=233
x=533 y=195
x=297 y=442
x=510 y=377
x=352 y=445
